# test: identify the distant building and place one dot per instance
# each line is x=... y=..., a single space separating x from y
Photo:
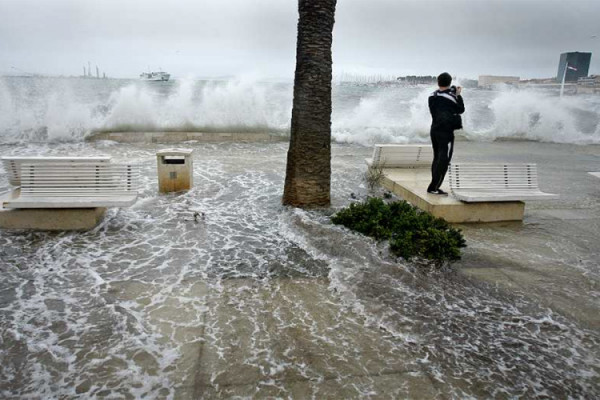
x=577 y=60
x=589 y=80
x=468 y=83
x=589 y=85
x=416 y=80
x=490 y=80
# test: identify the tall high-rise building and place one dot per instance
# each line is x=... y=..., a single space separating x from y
x=577 y=60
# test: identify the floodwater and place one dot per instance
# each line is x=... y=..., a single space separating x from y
x=258 y=300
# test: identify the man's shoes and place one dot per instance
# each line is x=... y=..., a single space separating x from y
x=439 y=192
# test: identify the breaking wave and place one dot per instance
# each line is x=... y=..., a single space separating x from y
x=53 y=109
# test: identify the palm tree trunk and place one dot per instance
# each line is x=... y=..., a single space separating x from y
x=308 y=174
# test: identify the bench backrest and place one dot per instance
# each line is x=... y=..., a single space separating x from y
x=12 y=165
x=402 y=155
x=71 y=179
x=501 y=177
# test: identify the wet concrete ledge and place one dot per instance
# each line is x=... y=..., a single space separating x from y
x=178 y=137
x=51 y=219
x=411 y=185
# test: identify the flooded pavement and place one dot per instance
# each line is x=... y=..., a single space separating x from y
x=554 y=255
x=258 y=300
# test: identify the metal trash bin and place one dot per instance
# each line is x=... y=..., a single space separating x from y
x=175 y=170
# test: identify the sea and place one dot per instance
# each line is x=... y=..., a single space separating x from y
x=222 y=292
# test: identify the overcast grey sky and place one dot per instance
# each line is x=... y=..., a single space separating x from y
x=232 y=37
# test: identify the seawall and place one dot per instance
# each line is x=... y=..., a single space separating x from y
x=178 y=137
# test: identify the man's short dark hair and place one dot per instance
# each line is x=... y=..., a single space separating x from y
x=444 y=80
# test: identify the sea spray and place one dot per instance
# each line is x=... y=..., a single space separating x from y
x=538 y=116
x=15 y=119
x=66 y=118
x=245 y=103
x=60 y=109
x=132 y=106
x=235 y=105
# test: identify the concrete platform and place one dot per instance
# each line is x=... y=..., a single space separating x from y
x=51 y=219
x=411 y=185
x=258 y=340
x=178 y=137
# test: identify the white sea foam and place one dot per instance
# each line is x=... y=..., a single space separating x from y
x=534 y=115
x=384 y=116
x=152 y=302
x=59 y=110
x=235 y=105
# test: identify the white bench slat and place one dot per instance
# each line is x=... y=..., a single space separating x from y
x=55 y=179
x=48 y=160
x=478 y=197
x=12 y=164
x=479 y=182
x=75 y=187
x=63 y=182
x=74 y=183
x=83 y=175
x=80 y=189
x=79 y=194
x=69 y=177
x=400 y=155
x=72 y=202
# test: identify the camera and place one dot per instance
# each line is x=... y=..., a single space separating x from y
x=453 y=89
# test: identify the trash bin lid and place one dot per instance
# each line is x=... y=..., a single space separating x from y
x=175 y=152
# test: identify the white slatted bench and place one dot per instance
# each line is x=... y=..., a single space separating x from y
x=60 y=182
x=12 y=165
x=400 y=156
x=479 y=182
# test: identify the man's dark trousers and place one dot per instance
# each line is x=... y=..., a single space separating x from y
x=443 y=146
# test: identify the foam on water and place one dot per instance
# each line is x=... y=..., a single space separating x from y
x=442 y=320
x=384 y=115
x=69 y=109
x=535 y=116
x=227 y=106
x=154 y=303
x=255 y=292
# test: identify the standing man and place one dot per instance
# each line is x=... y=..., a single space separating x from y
x=446 y=105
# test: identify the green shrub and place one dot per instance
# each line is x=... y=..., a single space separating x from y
x=410 y=231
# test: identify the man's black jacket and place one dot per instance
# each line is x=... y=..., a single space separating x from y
x=445 y=108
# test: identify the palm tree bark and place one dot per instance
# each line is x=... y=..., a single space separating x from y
x=308 y=174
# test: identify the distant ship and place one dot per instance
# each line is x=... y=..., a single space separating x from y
x=155 y=76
